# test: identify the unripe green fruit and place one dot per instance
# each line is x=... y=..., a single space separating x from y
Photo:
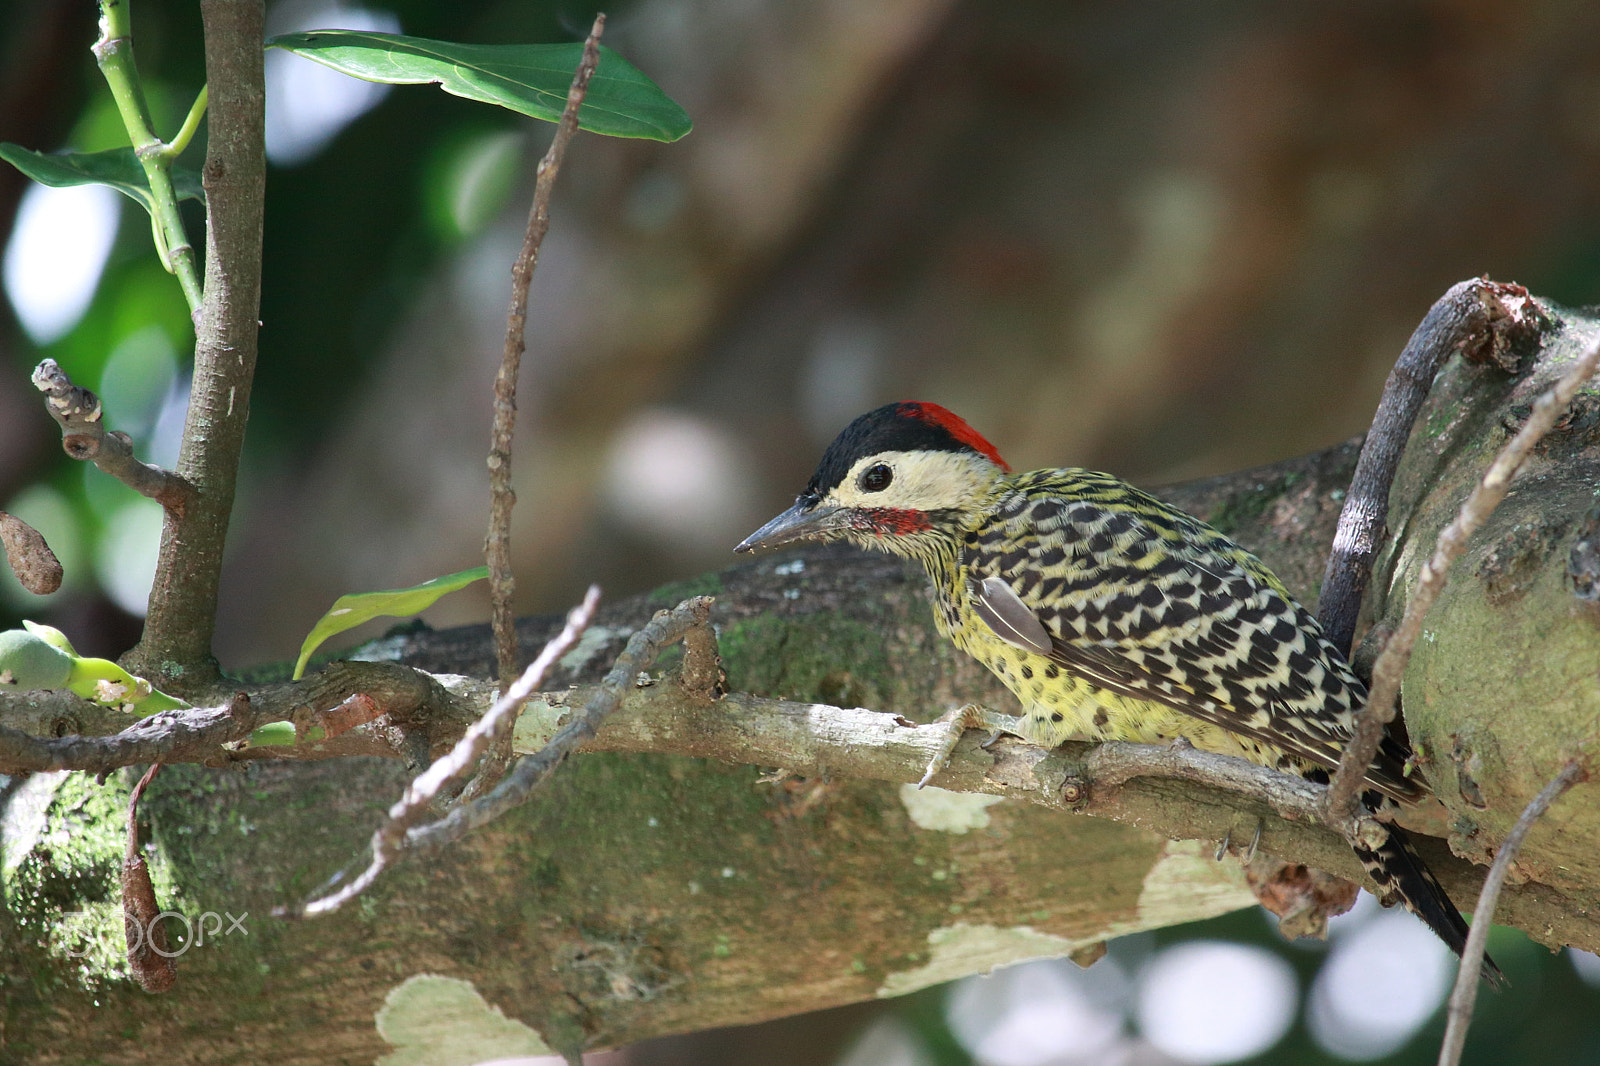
x=28 y=663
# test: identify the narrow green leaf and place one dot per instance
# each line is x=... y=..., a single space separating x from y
x=116 y=167
x=531 y=79
x=351 y=610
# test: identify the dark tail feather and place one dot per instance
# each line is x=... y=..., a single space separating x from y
x=1402 y=877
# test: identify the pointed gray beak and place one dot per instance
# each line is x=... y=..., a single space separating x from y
x=806 y=519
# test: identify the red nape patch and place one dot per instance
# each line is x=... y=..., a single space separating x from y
x=890 y=521
x=956 y=426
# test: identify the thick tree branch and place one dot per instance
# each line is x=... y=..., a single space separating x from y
x=644 y=647
x=170 y=736
x=1178 y=792
x=389 y=839
x=1387 y=672
x=59 y=731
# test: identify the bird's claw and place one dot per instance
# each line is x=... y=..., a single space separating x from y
x=1255 y=842
x=957 y=722
x=1249 y=855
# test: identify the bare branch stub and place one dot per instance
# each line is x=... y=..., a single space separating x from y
x=703 y=676
x=1458 y=1013
x=29 y=555
x=1583 y=561
x=1488 y=322
x=1344 y=789
x=497 y=544
x=85 y=438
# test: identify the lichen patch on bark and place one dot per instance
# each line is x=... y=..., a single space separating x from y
x=443 y=1021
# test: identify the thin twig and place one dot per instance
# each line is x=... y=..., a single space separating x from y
x=1459 y=1012
x=1486 y=495
x=390 y=838
x=148 y=956
x=497 y=545
x=1471 y=311
x=703 y=676
x=85 y=437
x=660 y=633
x=333 y=712
x=170 y=736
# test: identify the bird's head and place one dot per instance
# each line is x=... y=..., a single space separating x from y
x=892 y=477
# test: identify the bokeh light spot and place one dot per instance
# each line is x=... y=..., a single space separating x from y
x=886 y=1042
x=1209 y=1001
x=1038 y=1013
x=125 y=558
x=1379 y=986
x=56 y=255
x=308 y=103
x=677 y=477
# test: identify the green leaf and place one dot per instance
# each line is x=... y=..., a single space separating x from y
x=531 y=79
x=351 y=610
x=116 y=167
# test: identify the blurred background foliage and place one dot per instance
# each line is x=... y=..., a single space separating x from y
x=1164 y=239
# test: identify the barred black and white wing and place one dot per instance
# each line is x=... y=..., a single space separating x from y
x=1147 y=602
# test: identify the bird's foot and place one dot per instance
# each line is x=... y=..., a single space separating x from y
x=957 y=722
x=1249 y=855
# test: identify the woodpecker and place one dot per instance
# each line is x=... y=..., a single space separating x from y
x=1109 y=614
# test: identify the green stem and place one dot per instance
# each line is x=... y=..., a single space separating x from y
x=113 y=51
x=191 y=123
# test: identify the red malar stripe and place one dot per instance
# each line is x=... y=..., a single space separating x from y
x=890 y=520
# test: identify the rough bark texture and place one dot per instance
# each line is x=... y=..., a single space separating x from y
x=642 y=894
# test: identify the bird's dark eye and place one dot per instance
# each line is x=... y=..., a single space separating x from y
x=876 y=478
